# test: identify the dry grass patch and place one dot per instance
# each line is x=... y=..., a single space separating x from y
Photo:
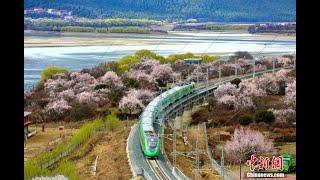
x=112 y=160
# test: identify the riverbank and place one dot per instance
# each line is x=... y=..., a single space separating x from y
x=73 y=39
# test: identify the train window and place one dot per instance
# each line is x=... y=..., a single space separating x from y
x=149 y=133
x=152 y=142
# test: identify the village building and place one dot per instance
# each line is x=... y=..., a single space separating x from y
x=26 y=121
x=193 y=61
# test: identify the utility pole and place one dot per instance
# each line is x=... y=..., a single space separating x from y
x=207 y=75
x=174 y=148
x=240 y=169
x=219 y=72
x=254 y=67
x=222 y=164
x=197 y=156
x=236 y=69
x=162 y=144
x=273 y=65
x=198 y=74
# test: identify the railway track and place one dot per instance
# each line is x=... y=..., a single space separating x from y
x=156 y=168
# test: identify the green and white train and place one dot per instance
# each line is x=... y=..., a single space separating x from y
x=148 y=138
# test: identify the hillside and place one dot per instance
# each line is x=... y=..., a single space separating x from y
x=217 y=10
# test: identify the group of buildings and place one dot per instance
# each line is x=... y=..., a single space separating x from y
x=53 y=12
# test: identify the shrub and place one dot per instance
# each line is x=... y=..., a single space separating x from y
x=284 y=131
x=112 y=122
x=144 y=53
x=282 y=88
x=174 y=57
x=225 y=137
x=130 y=83
x=32 y=169
x=241 y=54
x=264 y=116
x=115 y=95
x=231 y=129
x=245 y=120
x=80 y=111
x=281 y=124
x=100 y=86
x=286 y=138
x=68 y=169
x=48 y=72
x=236 y=81
x=199 y=117
x=217 y=122
x=262 y=126
x=111 y=66
x=292 y=73
x=96 y=72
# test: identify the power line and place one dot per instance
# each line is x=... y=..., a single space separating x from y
x=212 y=42
x=265 y=45
x=180 y=52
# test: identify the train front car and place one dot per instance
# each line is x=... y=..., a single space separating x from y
x=149 y=142
x=148 y=138
x=152 y=149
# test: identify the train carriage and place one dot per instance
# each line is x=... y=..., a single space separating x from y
x=149 y=140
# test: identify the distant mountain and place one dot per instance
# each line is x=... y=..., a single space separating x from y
x=207 y=10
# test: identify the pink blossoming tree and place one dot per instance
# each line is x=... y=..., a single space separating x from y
x=283 y=115
x=131 y=104
x=225 y=89
x=111 y=78
x=244 y=143
x=87 y=97
x=290 y=96
x=57 y=109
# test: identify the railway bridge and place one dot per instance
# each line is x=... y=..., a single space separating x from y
x=162 y=168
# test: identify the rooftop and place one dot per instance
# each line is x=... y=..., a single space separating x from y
x=26 y=113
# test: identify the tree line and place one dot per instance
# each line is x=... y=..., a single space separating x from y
x=273 y=28
x=225 y=11
x=98 y=25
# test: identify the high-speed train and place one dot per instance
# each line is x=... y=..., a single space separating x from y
x=149 y=140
